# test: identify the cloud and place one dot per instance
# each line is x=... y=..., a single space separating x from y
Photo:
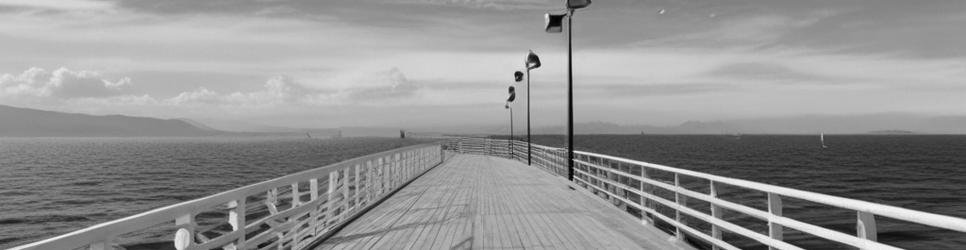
x=770 y=71
x=490 y=4
x=61 y=83
x=59 y=4
x=611 y=91
x=391 y=84
x=277 y=90
x=744 y=31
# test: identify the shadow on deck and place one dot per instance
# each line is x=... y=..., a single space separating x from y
x=477 y=202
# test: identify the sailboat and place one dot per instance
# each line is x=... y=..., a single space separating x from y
x=821 y=137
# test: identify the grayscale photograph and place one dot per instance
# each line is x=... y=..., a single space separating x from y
x=482 y=124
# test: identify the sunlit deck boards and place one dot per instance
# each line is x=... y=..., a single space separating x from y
x=493 y=203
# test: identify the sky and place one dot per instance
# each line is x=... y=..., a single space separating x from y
x=425 y=63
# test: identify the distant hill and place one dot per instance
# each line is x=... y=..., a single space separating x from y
x=882 y=123
x=249 y=127
x=23 y=122
x=891 y=132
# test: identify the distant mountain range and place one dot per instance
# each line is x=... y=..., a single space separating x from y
x=246 y=127
x=23 y=122
x=886 y=123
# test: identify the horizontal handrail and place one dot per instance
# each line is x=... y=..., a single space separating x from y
x=929 y=219
x=309 y=211
x=597 y=172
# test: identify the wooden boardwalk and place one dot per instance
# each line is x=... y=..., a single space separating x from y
x=481 y=202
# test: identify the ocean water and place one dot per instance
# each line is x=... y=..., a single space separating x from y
x=920 y=172
x=52 y=186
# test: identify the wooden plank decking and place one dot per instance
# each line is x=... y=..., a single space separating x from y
x=481 y=202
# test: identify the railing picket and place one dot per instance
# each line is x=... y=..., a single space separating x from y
x=358 y=196
x=330 y=204
x=775 y=230
x=185 y=236
x=271 y=199
x=715 y=212
x=648 y=189
x=236 y=218
x=296 y=197
x=314 y=213
x=369 y=185
x=386 y=175
x=679 y=233
x=866 y=226
x=396 y=170
x=314 y=189
x=100 y=245
x=344 y=202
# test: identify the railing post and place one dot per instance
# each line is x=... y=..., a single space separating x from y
x=397 y=170
x=410 y=165
x=393 y=171
x=679 y=234
x=358 y=197
x=404 y=163
x=386 y=174
x=271 y=199
x=648 y=189
x=715 y=212
x=314 y=196
x=775 y=230
x=236 y=218
x=866 y=227
x=102 y=245
x=296 y=200
x=369 y=185
x=345 y=193
x=314 y=189
x=330 y=204
x=185 y=236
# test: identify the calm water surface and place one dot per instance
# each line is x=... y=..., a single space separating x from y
x=51 y=186
x=921 y=172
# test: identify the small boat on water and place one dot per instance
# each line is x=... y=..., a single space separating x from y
x=821 y=137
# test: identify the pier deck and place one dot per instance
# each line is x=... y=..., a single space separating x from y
x=477 y=202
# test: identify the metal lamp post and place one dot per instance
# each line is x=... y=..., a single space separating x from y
x=554 y=25
x=513 y=96
x=532 y=62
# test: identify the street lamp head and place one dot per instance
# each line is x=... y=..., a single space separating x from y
x=577 y=4
x=554 y=22
x=513 y=95
x=533 y=61
x=518 y=76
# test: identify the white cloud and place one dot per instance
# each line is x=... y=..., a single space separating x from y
x=59 y=4
x=61 y=83
x=384 y=86
x=491 y=4
x=276 y=91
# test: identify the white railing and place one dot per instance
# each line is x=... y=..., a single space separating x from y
x=634 y=184
x=550 y=159
x=289 y=212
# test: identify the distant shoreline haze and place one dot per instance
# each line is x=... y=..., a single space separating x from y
x=25 y=122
